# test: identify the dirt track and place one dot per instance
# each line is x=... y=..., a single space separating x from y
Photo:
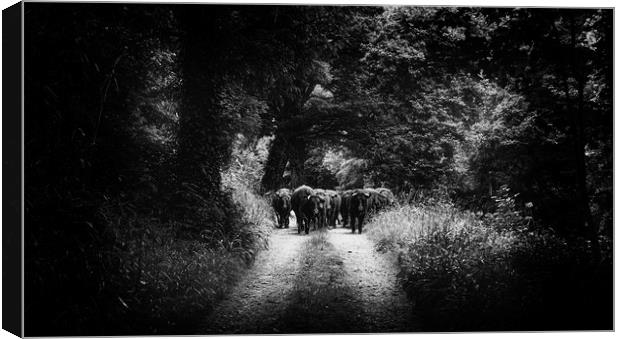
x=343 y=286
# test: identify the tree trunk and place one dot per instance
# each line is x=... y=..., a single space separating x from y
x=276 y=163
x=203 y=145
x=200 y=137
x=297 y=158
x=585 y=215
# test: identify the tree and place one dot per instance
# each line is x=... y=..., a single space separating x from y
x=301 y=105
x=562 y=71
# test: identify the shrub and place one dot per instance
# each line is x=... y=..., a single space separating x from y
x=167 y=283
x=451 y=264
x=150 y=260
x=506 y=214
x=464 y=273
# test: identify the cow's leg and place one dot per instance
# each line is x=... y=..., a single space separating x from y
x=361 y=222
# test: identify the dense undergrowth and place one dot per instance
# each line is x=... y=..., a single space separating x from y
x=136 y=267
x=497 y=272
x=177 y=279
x=174 y=281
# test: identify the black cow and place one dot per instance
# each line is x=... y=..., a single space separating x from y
x=360 y=202
x=312 y=211
x=335 y=202
x=345 y=205
x=306 y=206
x=281 y=203
x=325 y=206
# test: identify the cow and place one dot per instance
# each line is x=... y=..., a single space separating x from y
x=298 y=199
x=361 y=200
x=313 y=213
x=345 y=203
x=306 y=205
x=325 y=206
x=281 y=203
x=335 y=202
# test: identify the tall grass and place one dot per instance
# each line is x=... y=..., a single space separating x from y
x=165 y=272
x=464 y=273
x=165 y=283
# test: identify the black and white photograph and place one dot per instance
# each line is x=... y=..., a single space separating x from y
x=234 y=169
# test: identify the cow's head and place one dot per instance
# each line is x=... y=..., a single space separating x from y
x=316 y=204
x=360 y=200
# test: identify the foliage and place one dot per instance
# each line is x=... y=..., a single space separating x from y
x=475 y=98
x=321 y=168
x=351 y=173
x=506 y=214
x=172 y=278
x=301 y=105
x=465 y=274
x=247 y=164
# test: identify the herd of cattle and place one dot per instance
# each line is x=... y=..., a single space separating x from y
x=321 y=207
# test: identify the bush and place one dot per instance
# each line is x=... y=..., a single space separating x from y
x=167 y=283
x=164 y=281
x=130 y=263
x=464 y=273
x=170 y=279
x=506 y=215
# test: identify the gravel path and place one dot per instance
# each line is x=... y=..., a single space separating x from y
x=345 y=287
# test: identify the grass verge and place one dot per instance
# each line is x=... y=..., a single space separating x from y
x=175 y=282
x=464 y=274
x=143 y=275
